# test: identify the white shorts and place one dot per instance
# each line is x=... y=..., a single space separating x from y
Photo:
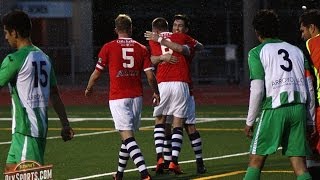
x=191 y=119
x=126 y=113
x=173 y=99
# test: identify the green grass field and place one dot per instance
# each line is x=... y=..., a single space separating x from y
x=93 y=153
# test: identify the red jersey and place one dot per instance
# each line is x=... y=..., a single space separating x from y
x=313 y=46
x=167 y=72
x=126 y=59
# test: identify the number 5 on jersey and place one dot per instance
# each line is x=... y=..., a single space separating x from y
x=129 y=60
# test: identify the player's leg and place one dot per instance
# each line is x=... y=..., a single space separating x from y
x=159 y=138
x=167 y=149
x=122 y=161
x=178 y=108
x=159 y=129
x=313 y=161
x=264 y=142
x=194 y=135
x=176 y=142
x=294 y=142
x=25 y=148
x=126 y=115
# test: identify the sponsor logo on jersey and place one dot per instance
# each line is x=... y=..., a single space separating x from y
x=30 y=170
x=287 y=81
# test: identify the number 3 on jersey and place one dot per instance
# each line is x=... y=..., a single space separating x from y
x=129 y=60
x=286 y=58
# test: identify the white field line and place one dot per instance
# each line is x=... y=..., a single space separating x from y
x=149 y=167
x=143 y=119
x=199 y=120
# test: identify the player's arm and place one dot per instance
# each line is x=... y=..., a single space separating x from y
x=183 y=49
x=57 y=104
x=164 y=58
x=257 y=90
x=199 y=46
x=8 y=70
x=154 y=86
x=310 y=95
x=92 y=81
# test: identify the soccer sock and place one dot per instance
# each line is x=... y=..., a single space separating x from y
x=159 y=137
x=196 y=144
x=176 y=142
x=304 y=176
x=167 y=150
x=252 y=173
x=123 y=159
x=136 y=155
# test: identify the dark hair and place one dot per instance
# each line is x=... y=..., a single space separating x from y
x=184 y=18
x=19 y=21
x=309 y=17
x=266 y=23
x=160 y=23
x=123 y=23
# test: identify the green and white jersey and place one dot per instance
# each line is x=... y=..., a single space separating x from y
x=29 y=74
x=282 y=67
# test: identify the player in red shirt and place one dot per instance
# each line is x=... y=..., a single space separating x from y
x=173 y=77
x=181 y=24
x=126 y=59
x=310 y=32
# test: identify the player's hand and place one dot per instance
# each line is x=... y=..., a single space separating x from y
x=155 y=99
x=248 y=130
x=169 y=58
x=67 y=133
x=151 y=36
x=88 y=92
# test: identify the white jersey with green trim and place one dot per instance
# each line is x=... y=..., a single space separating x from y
x=29 y=74
x=282 y=67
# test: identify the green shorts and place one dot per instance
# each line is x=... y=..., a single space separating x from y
x=26 y=148
x=284 y=126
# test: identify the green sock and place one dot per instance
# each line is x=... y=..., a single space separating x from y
x=304 y=176
x=252 y=174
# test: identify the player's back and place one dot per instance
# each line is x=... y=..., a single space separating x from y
x=172 y=72
x=284 y=72
x=126 y=59
x=31 y=90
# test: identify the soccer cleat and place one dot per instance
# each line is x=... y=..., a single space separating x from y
x=175 y=168
x=147 y=178
x=201 y=169
x=160 y=166
x=116 y=177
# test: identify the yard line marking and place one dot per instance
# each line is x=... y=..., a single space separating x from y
x=84 y=134
x=149 y=167
x=239 y=172
x=201 y=120
x=220 y=175
x=143 y=119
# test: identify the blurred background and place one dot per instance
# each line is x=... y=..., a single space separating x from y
x=71 y=32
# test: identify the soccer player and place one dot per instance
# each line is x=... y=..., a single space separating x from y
x=181 y=24
x=29 y=73
x=173 y=79
x=281 y=84
x=310 y=28
x=126 y=59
